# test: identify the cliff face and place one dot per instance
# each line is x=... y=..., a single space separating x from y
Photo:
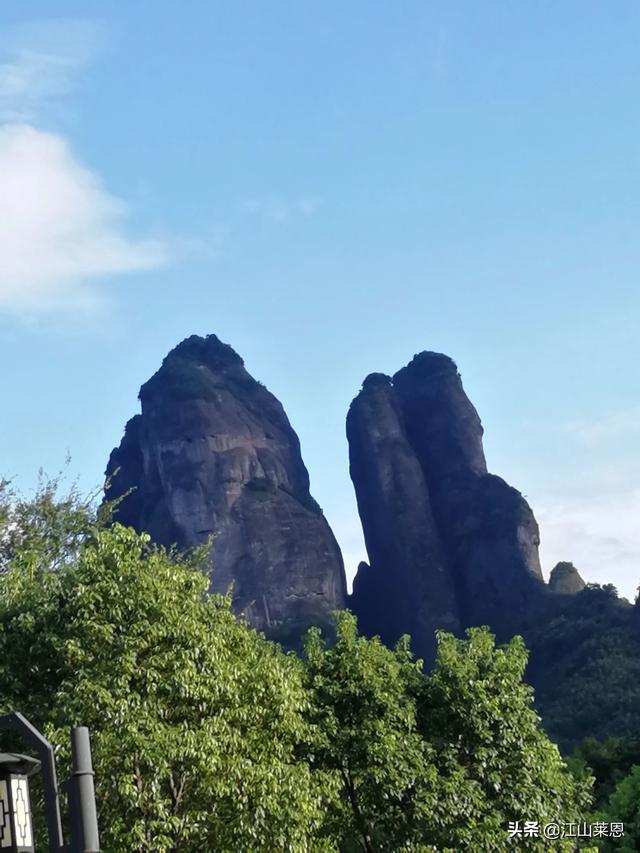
x=450 y=544
x=213 y=453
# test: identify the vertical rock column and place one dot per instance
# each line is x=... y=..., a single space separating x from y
x=450 y=545
x=408 y=588
x=489 y=530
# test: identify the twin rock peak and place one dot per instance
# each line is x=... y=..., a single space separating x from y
x=212 y=453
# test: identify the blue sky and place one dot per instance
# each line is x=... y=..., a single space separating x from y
x=331 y=187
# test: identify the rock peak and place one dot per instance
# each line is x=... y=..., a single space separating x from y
x=429 y=364
x=193 y=369
x=209 y=351
x=565 y=578
x=449 y=544
x=213 y=454
x=376 y=380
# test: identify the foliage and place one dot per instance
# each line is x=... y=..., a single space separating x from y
x=194 y=716
x=45 y=531
x=585 y=667
x=624 y=807
x=478 y=714
x=448 y=759
x=208 y=737
x=364 y=713
x=609 y=761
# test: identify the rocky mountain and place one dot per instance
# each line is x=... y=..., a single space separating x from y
x=213 y=454
x=450 y=544
x=565 y=578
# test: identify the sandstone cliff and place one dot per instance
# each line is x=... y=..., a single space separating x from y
x=450 y=545
x=213 y=453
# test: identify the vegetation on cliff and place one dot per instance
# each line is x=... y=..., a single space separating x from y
x=585 y=667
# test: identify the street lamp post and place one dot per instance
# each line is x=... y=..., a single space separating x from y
x=17 y=723
x=82 y=799
x=16 y=830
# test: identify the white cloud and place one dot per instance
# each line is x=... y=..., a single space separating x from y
x=60 y=229
x=600 y=534
x=614 y=424
x=41 y=59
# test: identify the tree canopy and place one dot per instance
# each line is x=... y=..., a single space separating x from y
x=623 y=806
x=206 y=736
x=585 y=666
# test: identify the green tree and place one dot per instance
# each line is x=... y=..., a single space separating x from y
x=608 y=761
x=585 y=667
x=478 y=713
x=363 y=712
x=195 y=718
x=46 y=530
x=208 y=737
x=446 y=760
x=624 y=807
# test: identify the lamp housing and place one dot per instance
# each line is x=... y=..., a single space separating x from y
x=16 y=823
